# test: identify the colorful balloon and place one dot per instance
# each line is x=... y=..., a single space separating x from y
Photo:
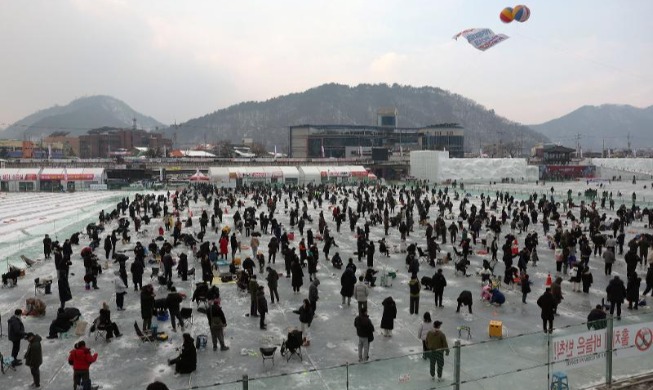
x=506 y=15
x=521 y=13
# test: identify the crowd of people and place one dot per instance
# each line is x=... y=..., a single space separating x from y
x=421 y=219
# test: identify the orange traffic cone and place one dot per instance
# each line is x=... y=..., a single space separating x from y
x=548 y=281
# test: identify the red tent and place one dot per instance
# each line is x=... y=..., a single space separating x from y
x=199 y=177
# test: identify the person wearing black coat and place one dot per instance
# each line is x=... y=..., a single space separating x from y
x=16 y=332
x=65 y=294
x=137 y=268
x=388 y=317
x=616 y=294
x=186 y=362
x=547 y=303
x=173 y=302
x=347 y=282
x=587 y=279
x=370 y=254
x=632 y=290
x=63 y=322
x=147 y=306
x=597 y=319
x=438 y=283
x=262 y=306
x=182 y=267
x=297 y=275
x=465 y=299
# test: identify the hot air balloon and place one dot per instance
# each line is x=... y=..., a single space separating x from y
x=521 y=13
x=506 y=15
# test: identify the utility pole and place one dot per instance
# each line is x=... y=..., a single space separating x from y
x=134 y=123
x=603 y=150
x=629 y=150
x=577 y=145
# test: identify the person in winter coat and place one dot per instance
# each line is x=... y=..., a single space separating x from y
x=347 y=282
x=313 y=294
x=587 y=279
x=547 y=303
x=81 y=359
x=438 y=283
x=16 y=332
x=147 y=306
x=305 y=317
x=65 y=294
x=632 y=290
x=497 y=298
x=297 y=279
x=597 y=319
x=616 y=294
x=34 y=358
x=361 y=291
x=436 y=342
x=388 y=317
x=273 y=248
x=423 y=331
x=173 y=302
x=365 y=333
x=273 y=280
x=556 y=290
x=608 y=257
x=186 y=362
x=525 y=287
x=182 y=267
x=121 y=290
x=414 y=286
x=217 y=323
x=224 y=246
x=137 y=268
x=576 y=278
x=262 y=306
x=465 y=299
x=649 y=278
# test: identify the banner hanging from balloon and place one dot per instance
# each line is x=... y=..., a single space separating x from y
x=481 y=38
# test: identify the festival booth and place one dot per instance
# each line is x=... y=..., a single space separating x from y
x=221 y=177
x=290 y=175
x=199 y=177
x=85 y=179
x=358 y=173
x=309 y=174
x=19 y=179
x=52 y=179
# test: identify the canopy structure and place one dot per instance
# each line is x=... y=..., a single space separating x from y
x=199 y=177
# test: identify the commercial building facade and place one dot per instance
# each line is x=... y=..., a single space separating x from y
x=346 y=141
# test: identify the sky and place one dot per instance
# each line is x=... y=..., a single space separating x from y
x=177 y=60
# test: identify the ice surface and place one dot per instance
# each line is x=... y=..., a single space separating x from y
x=127 y=364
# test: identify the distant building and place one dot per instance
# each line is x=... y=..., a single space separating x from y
x=70 y=144
x=347 y=141
x=28 y=149
x=99 y=143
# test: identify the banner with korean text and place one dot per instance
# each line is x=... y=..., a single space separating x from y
x=583 y=349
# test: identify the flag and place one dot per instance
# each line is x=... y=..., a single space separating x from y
x=401 y=151
x=49 y=151
x=275 y=151
x=322 y=147
x=360 y=151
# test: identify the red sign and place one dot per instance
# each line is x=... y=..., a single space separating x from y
x=644 y=339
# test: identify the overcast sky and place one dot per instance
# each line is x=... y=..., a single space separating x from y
x=177 y=60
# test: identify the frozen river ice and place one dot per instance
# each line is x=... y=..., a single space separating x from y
x=127 y=364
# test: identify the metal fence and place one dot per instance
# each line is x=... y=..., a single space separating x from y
x=582 y=357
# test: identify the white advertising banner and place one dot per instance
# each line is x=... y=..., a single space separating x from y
x=589 y=347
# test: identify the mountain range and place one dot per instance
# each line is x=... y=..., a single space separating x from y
x=78 y=117
x=595 y=124
x=267 y=121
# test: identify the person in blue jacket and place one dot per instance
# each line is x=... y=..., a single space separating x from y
x=497 y=297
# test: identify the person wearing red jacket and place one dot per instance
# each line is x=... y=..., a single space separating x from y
x=81 y=359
